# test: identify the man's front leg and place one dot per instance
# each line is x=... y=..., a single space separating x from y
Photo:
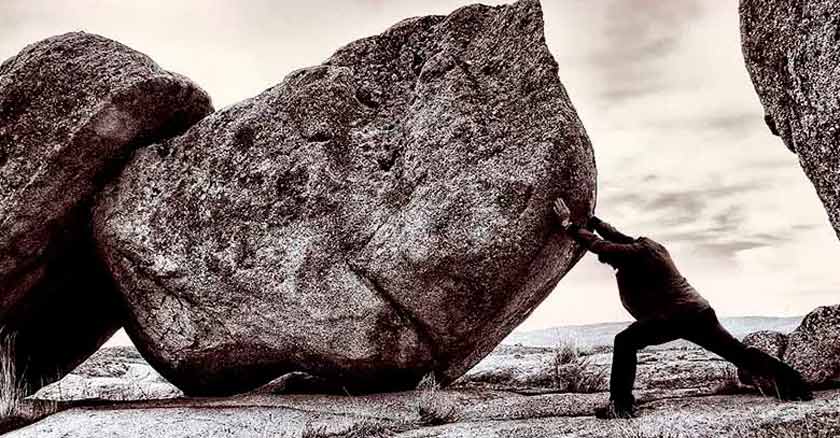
x=623 y=375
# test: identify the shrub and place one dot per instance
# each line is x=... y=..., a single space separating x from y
x=581 y=376
x=432 y=408
x=15 y=410
x=12 y=388
x=574 y=373
x=565 y=352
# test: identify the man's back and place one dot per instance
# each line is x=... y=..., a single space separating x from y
x=651 y=286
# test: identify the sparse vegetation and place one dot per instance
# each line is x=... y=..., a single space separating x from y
x=15 y=410
x=566 y=352
x=581 y=376
x=575 y=373
x=433 y=408
x=12 y=389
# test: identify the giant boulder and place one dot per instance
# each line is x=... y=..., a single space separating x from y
x=814 y=347
x=368 y=220
x=792 y=52
x=72 y=108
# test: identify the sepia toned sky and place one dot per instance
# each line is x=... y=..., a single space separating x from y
x=682 y=150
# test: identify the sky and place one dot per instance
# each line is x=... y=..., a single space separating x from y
x=683 y=154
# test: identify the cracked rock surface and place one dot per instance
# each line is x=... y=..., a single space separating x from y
x=792 y=52
x=371 y=219
x=72 y=108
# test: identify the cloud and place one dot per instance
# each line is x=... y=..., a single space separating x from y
x=630 y=41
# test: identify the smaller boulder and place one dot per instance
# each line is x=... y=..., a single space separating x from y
x=814 y=347
x=770 y=342
x=73 y=108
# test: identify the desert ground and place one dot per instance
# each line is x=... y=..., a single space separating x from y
x=522 y=389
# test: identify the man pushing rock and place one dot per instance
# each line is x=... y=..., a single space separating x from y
x=666 y=307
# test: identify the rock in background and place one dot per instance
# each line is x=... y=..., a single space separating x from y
x=369 y=220
x=792 y=52
x=72 y=108
x=814 y=348
x=115 y=374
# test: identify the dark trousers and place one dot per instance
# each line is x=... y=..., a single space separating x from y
x=701 y=328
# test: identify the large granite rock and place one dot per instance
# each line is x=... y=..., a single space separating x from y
x=370 y=219
x=767 y=341
x=814 y=347
x=792 y=52
x=72 y=108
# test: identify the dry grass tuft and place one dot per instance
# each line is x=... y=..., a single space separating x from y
x=15 y=410
x=584 y=377
x=574 y=373
x=433 y=408
x=12 y=389
x=566 y=351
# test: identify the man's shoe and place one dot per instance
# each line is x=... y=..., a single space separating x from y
x=615 y=410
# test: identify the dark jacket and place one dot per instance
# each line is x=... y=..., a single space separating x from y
x=650 y=285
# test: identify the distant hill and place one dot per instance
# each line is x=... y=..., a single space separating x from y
x=603 y=334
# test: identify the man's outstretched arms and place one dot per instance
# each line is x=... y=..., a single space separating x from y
x=609 y=232
x=588 y=239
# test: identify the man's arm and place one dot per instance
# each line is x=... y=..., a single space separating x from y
x=587 y=238
x=595 y=244
x=609 y=232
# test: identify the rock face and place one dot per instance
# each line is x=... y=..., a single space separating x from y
x=370 y=219
x=72 y=107
x=814 y=347
x=770 y=342
x=792 y=52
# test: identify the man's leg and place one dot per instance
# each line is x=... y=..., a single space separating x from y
x=708 y=333
x=637 y=336
x=705 y=330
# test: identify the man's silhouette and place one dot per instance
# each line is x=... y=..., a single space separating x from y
x=666 y=308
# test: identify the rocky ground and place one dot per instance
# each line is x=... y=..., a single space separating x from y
x=515 y=392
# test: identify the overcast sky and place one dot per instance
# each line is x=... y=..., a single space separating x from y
x=683 y=154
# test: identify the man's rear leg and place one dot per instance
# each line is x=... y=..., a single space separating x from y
x=772 y=376
x=775 y=378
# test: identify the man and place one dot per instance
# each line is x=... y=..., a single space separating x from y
x=666 y=308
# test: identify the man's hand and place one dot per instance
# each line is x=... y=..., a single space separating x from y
x=562 y=212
